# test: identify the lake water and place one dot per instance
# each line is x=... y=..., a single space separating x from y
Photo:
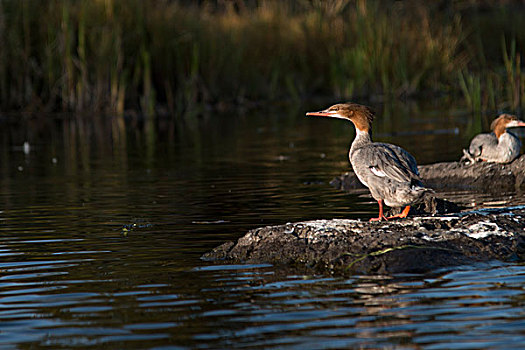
x=102 y=225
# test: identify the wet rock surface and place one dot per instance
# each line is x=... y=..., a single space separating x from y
x=481 y=176
x=415 y=244
x=435 y=235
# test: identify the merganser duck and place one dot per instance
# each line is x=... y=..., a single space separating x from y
x=389 y=172
x=499 y=146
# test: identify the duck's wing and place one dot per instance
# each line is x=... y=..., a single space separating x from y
x=385 y=161
x=482 y=142
x=406 y=159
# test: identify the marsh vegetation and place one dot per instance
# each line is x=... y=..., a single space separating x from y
x=179 y=57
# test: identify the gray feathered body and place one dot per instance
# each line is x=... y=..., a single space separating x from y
x=389 y=172
x=488 y=147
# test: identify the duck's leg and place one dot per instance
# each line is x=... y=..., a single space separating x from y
x=381 y=216
x=402 y=215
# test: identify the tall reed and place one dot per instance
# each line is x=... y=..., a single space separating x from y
x=496 y=88
x=397 y=50
x=179 y=56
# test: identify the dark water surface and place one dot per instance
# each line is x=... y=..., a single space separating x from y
x=102 y=228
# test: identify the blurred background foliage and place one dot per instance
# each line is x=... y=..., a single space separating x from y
x=181 y=57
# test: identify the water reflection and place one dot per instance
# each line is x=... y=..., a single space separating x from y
x=103 y=221
x=261 y=309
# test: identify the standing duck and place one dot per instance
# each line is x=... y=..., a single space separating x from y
x=389 y=172
x=499 y=146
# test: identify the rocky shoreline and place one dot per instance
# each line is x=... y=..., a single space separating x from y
x=436 y=234
x=413 y=245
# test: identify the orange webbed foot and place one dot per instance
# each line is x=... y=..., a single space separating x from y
x=402 y=215
x=380 y=218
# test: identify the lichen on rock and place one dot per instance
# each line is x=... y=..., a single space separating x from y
x=416 y=244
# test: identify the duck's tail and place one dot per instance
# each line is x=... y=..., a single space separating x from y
x=420 y=191
x=418 y=186
x=467 y=158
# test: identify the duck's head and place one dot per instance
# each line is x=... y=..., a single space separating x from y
x=505 y=121
x=361 y=116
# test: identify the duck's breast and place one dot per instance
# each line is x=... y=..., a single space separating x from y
x=509 y=147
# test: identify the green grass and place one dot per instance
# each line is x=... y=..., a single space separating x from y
x=496 y=87
x=151 y=56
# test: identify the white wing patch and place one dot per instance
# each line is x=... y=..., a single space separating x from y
x=377 y=172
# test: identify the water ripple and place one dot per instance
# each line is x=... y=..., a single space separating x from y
x=72 y=277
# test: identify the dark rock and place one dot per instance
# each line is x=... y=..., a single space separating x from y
x=346 y=182
x=415 y=244
x=481 y=176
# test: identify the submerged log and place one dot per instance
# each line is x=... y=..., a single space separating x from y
x=412 y=245
x=482 y=176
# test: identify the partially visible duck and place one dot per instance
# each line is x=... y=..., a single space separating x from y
x=389 y=172
x=499 y=146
